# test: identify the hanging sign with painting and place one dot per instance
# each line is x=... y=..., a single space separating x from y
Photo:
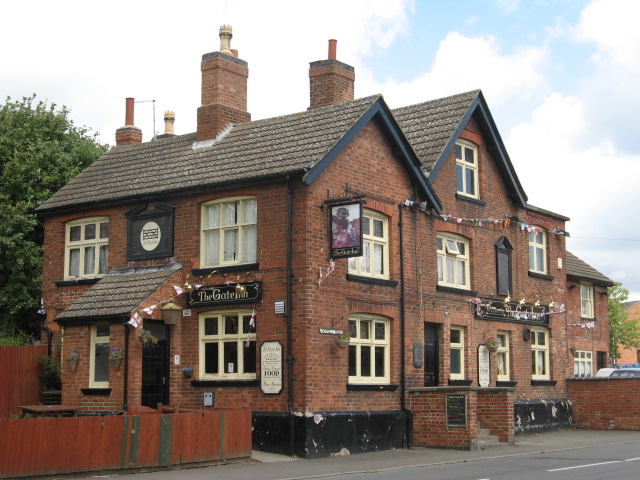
x=345 y=230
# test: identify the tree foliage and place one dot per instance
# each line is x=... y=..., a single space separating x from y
x=622 y=330
x=40 y=150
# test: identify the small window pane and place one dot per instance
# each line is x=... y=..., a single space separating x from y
x=231 y=213
x=471 y=186
x=211 y=326
x=90 y=231
x=104 y=255
x=101 y=362
x=353 y=328
x=365 y=260
x=380 y=331
x=379 y=362
x=378 y=259
x=468 y=155
x=74 y=233
x=211 y=358
x=462 y=276
x=230 y=357
x=104 y=230
x=439 y=245
x=230 y=245
x=378 y=230
x=365 y=328
x=440 y=274
x=365 y=226
x=458 y=151
x=352 y=361
x=250 y=211
x=212 y=216
x=455 y=336
x=74 y=262
x=541 y=338
x=456 y=361
x=230 y=325
x=89 y=260
x=249 y=357
x=365 y=361
x=102 y=330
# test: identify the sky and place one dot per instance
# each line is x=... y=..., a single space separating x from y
x=560 y=77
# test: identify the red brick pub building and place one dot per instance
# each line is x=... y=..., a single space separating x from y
x=407 y=231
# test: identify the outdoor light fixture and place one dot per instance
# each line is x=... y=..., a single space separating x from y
x=187 y=286
x=522 y=300
x=240 y=289
x=170 y=312
x=507 y=299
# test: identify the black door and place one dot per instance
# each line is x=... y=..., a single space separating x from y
x=431 y=364
x=155 y=367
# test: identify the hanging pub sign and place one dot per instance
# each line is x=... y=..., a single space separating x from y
x=150 y=231
x=225 y=294
x=345 y=222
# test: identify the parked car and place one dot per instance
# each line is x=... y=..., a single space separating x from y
x=626 y=372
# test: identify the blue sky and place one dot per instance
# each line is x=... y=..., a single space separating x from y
x=561 y=78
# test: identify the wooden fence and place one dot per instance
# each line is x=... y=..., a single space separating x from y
x=19 y=376
x=51 y=446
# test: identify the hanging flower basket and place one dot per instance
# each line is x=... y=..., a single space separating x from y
x=147 y=338
x=492 y=348
x=72 y=361
x=343 y=340
x=492 y=344
x=187 y=372
x=114 y=363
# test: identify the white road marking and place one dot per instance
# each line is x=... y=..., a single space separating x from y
x=583 y=466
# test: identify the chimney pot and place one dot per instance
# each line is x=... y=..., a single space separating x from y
x=333 y=44
x=226 y=34
x=129 y=134
x=169 y=118
x=130 y=102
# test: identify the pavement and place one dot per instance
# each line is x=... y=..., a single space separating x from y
x=420 y=456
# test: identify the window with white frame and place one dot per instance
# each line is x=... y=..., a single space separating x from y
x=503 y=356
x=453 y=261
x=586 y=300
x=374 y=261
x=99 y=355
x=86 y=248
x=540 y=353
x=456 y=353
x=369 y=356
x=582 y=364
x=537 y=251
x=227 y=345
x=229 y=232
x=467 y=168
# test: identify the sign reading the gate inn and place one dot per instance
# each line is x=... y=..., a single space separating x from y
x=225 y=294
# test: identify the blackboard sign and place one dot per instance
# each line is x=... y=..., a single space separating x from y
x=457 y=410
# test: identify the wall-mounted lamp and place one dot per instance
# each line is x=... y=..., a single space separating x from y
x=170 y=312
x=240 y=289
x=507 y=299
x=522 y=300
x=188 y=287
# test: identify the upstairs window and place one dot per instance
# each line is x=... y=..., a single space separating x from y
x=586 y=300
x=537 y=251
x=229 y=232
x=86 y=248
x=453 y=261
x=467 y=168
x=503 y=266
x=374 y=261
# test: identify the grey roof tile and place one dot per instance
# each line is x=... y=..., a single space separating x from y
x=430 y=125
x=118 y=293
x=251 y=151
x=580 y=270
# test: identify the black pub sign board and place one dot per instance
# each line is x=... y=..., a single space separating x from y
x=225 y=294
x=150 y=231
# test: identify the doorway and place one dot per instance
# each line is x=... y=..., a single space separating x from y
x=431 y=354
x=155 y=366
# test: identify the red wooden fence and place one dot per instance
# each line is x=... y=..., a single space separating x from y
x=19 y=378
x=50 y=446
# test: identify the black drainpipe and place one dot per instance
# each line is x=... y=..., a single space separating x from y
x=125 y=396
x=403 y=392
x=290 y=359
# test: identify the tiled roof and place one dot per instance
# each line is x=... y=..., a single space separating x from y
x=579 y=270
x=251 y=151
x=429 y=126
x=118 y=293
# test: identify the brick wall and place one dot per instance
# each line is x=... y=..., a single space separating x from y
x=605 y=403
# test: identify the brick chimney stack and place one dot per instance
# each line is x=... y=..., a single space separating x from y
x=224 y=89
x=331 y=81
x=129 y=134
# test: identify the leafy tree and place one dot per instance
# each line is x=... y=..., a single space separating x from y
x=40 y=150
x=622 y=330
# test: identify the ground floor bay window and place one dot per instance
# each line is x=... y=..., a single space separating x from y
x=369 y=350
x=227 y=346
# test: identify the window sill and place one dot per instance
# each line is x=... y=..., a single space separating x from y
x=73 y=283
x=541 y=276
x=96 y=391
x=460 y=383
x=459 y=291
x=225 y=383
x=356 y=387
x=245 y=267
x=371 y=280
x=477 y=201
x=506 y=383
x=543 y=383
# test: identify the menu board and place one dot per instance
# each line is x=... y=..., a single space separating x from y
x=457 y=410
